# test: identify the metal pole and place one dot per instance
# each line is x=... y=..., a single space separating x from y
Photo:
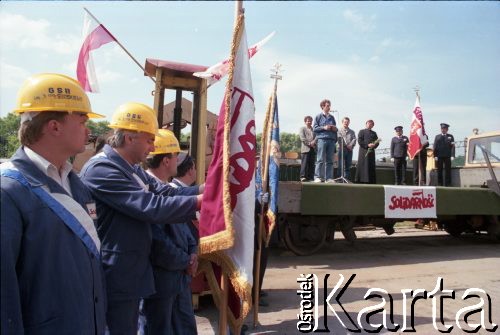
x=118 y=42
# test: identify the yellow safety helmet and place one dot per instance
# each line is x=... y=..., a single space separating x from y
x=52 y=92
x=135 y=116
x=166 y=143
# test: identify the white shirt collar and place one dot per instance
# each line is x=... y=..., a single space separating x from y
x=180 y=182
x=155 y=177
x=50 y=169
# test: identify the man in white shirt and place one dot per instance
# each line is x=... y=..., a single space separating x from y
x=52 y=279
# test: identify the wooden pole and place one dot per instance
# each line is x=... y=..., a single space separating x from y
x=121 y=46
x=420 y=163
x=223 y=305
x=260 y=231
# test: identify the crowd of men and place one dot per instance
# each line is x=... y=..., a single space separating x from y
x=80 y=253
x=321 y=139
x=83 y=254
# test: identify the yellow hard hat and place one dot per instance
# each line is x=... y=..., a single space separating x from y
x=52 y=92
x=165 y=143
x=135 y=116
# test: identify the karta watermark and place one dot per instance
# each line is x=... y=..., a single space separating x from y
x=309 y=315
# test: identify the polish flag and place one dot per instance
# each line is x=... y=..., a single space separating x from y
x=94 y=36
x=216 y=72
x=418 y=137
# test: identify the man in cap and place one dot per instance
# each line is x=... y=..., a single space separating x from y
x=399 y=146
x=444 y=153
x=173 y=253
x=52 y=279
x=129 y=201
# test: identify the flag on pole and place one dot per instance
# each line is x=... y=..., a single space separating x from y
x=215 y=72
x=273 y=169
x=94 y=36
x=227 y=214
x=418 y=137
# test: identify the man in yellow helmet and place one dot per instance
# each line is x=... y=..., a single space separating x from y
x=52 y=280
x=129 y=201
x=173 y=255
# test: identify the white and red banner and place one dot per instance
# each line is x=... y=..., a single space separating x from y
x=216 y=72
x=227 y=215
x=418 y=137
x=409 y=202
x=94 y=36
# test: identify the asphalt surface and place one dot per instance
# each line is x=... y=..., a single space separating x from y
x=410 y=259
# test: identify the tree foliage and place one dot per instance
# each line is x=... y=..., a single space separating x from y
x=9 y=126
x=8 y=134
x=98 y=128
x=288 y=142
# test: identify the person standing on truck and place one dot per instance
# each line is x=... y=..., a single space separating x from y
x=326 y=138
x=399 y=146
x=307 y=150
x=347 y=142
x=368 y=142
x=444 y=154
x=173 y=253
x=52 y=278
x=420 y=162
x=129 y=201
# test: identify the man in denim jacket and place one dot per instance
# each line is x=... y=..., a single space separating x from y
x=326 y=138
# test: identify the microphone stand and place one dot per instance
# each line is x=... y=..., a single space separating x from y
x=341 y=179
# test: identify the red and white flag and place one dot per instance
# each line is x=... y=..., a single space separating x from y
x=418 y=138
x=94 y=36
x=216 y=72
x=227 y=214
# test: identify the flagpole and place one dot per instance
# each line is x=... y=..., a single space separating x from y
x=256 y=280
x=118 y=42
x=420 y=163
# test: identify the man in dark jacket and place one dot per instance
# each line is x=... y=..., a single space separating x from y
x=368 y=142
x=173 y=255
x=420 y=164
x=399 y=146
x=52 y=279
x=444 y=153
x=129 y=201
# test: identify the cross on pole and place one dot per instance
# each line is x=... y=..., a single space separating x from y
x=275 y=74
x=417 y=91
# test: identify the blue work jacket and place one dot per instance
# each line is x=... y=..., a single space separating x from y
x=171 y=251
x=322 y=120
x=125 y=212
x=51 y=282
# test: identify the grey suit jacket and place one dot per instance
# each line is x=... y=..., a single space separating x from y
x=307 y=135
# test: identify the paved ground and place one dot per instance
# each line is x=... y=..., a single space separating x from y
x=410 y=259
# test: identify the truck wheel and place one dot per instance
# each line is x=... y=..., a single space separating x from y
x=455 y=229
x=304 y=236
x=494 y=229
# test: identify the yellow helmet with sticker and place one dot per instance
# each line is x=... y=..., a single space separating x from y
x=136 y=117
x=166 y=143
x=52 y=92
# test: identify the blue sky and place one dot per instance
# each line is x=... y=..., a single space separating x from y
x=365 y=57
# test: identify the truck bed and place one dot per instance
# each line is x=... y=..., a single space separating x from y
x=357 y=199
